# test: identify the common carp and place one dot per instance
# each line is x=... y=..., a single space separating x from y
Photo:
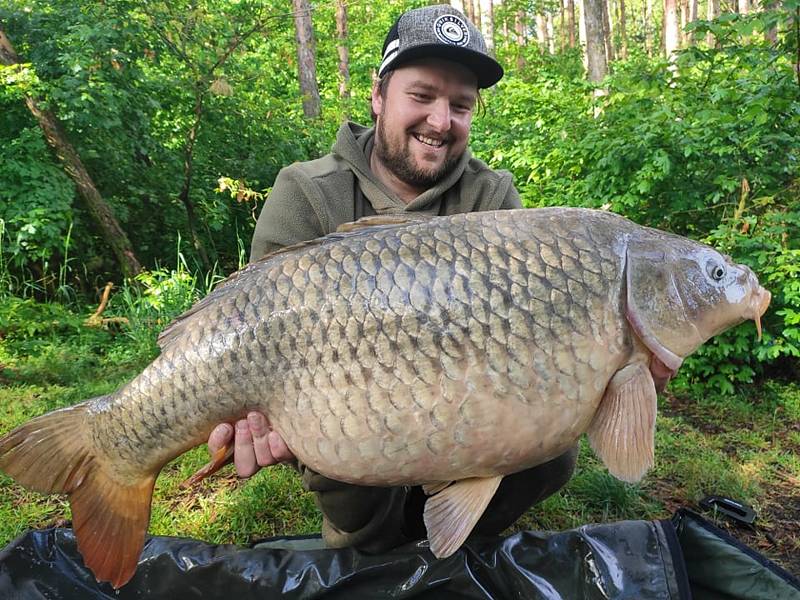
x=445 y=352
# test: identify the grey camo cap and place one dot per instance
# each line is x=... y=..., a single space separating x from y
x=439 y=31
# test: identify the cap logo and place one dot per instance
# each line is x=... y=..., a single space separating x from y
x=450 y=29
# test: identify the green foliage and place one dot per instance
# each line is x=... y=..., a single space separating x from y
x=35 y=201
x=767 y=238
x=155 y=299
x=678 y=150
x=668 y=147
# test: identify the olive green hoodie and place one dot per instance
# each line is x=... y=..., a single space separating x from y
x=311 y=199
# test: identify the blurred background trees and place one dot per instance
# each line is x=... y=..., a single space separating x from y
x=168 y=122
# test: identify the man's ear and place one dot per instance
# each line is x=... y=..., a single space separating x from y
x=377 y=99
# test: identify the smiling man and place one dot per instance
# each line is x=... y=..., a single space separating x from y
x=414 y=159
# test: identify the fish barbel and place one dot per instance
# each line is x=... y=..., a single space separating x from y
x=445 y=352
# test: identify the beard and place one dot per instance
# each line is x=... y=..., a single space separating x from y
x=399 y=161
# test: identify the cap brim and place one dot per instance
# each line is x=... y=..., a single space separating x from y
x=487 y=70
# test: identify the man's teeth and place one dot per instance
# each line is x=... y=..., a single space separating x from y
x=429 y=141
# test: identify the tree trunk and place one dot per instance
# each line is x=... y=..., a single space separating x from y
x=671 y=32
x=592 y=15
x=100 y=211
x=690 y=39
x=608 y=34
x=648 y=27
x=469 y=9
x=683 y=7
x=188 y=171
x=506 y=34
x=713 y=13
x=582 y=29
x=479 y=16
x=344 y=57
x=571 y=19
x=519 y=26
x=488 y=21
x=551 y=36
x=743 y=6
x=623 y=30
x=541 y=33
x=306 y=59
x=771 y=34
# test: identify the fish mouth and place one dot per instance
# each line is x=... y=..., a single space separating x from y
x=759 y=305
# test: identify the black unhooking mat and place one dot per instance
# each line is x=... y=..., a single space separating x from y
x=682 y=558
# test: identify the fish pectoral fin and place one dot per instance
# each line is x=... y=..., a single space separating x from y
x=221 y=457
x=434 y=488
x=622 y=432
x=452 y=513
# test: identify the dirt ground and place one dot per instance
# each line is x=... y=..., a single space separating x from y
x=776 y=530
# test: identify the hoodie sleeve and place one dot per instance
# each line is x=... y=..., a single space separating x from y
x=288 y=216
x=511 y=198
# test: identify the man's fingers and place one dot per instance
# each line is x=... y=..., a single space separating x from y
x=280 y=451
x=221 y=435
x=259 y=428
x=244 y=457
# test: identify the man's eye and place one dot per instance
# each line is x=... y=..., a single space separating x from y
x=421 y=97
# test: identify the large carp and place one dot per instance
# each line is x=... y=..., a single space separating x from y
x=453 y=349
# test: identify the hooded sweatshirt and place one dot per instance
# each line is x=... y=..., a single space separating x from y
x=311 y=199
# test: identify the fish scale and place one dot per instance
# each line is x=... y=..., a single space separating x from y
x=417 y=351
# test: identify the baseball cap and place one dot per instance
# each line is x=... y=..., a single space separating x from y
x=439 y=31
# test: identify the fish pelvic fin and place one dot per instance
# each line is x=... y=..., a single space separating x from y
x=52 y=454
x=622 y=432
x=451 y=514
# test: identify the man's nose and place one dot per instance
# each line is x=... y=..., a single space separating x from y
x=439 y=116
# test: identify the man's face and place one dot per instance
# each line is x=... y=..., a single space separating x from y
x=423 y=120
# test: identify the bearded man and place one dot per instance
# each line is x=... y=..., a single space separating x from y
x=415 y=159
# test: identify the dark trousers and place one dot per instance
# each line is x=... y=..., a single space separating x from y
x=375 y=519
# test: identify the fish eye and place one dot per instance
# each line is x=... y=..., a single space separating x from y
x=716 y=271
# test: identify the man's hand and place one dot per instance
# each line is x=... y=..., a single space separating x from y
x=256 y=445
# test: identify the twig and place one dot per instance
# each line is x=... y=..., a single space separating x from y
x=96 y=320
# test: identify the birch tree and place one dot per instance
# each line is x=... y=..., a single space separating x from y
x=519 y=27
x=671 y=32
x=571 y=22
x=691 y=19
x=306 y=59
x=623 y=30
x=592 y=17
x=541 y=33
x=344 y=57
x=488 y=24
x=608 y=34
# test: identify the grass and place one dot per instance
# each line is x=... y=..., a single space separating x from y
x=745 y=446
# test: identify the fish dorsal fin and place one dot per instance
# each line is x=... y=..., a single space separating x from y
x=387 y=219
x=623 y=428
x=229 y=285
x=452 y=513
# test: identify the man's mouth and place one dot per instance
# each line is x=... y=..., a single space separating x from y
x=428 y=141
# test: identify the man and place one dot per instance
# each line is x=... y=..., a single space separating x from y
x=415 y=159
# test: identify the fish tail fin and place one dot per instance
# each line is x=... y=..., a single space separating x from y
x=53 y=454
